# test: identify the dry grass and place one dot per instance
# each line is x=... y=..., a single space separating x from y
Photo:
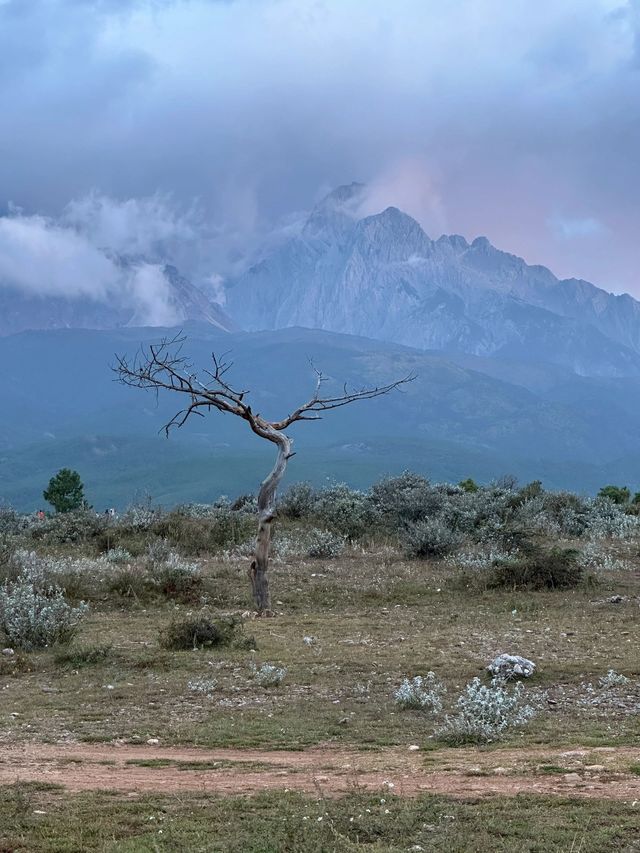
x=375 y=618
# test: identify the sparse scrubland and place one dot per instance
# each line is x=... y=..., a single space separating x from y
x=390 y=606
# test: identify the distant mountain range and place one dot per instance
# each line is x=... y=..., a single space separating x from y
x=517 y=371
x=382 y=277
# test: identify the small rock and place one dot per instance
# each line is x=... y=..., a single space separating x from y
x=595 y=768
x=616 y=599
x=153 y=741
x=343 y=721
x=500 y=771
x=510 y=667
x=414 y=747
x=8 y=652
x=572 y=777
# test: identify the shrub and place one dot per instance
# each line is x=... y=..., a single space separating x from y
x=430 y=537
x=406 y=498
x=194 y=536
x=537 y=567
x=324 y=544
x=117 y=556
x=158 y=551
x=345 y=510
x=34 y=613
x=175 y=578
x=200 y=631
x=297 y=501
x=70 y=527
x=420 y=693
x=485 y=713
x=130 y=582
x=469 y=485
x=269 y=675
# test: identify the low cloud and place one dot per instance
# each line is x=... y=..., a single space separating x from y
x=43 y=257
x=568 y=228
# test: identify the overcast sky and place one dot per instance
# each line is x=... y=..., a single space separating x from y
x=517 y=119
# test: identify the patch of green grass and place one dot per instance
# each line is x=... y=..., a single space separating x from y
x=635 y=769
x=51 y=822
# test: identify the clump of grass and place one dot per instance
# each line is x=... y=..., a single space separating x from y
x=199 y=631
x=81 y=656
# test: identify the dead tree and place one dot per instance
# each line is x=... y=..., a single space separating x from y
x=163 y=367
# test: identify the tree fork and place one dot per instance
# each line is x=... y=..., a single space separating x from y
x=162 y=367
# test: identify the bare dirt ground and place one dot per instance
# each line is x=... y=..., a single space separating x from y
x=599 y=772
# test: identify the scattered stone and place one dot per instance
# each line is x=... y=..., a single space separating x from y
x=511 y=667
x=500 y=771
x=595 y=768
x=616 y=599
x=152 y=741
x=8 y=652
x=414 y=747
x=572 y=777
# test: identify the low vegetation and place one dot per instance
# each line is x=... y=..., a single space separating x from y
x=138 y=628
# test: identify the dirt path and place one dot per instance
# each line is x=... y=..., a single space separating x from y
x=577 y=772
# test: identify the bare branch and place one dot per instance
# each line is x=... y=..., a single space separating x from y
x=162 y=366
x=324 y=404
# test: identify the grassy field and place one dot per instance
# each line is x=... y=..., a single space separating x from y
x=370 y=619
x=33 y=820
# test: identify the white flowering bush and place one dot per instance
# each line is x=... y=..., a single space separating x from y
x=595 y=556
x=478 y=559
x=269 y=675
x=485 y=712
x=324 y=543
x=608 y=519
x=420 y=693
x=34 y=613
x=613 y=679
x=206 y=686
x=158 y=551
x=117 y=556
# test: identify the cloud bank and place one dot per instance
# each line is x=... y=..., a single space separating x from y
x=476 y=116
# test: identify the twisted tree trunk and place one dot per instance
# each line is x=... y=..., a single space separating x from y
x=266 y=514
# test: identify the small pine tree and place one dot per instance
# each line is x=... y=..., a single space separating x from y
x=469 y=485
x=65 y=491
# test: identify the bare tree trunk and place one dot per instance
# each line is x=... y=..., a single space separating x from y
x=266 y=514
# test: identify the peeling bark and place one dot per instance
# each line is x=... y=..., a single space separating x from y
x=266 y=514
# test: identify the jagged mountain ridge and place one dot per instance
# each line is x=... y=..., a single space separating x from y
x=381 y=276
